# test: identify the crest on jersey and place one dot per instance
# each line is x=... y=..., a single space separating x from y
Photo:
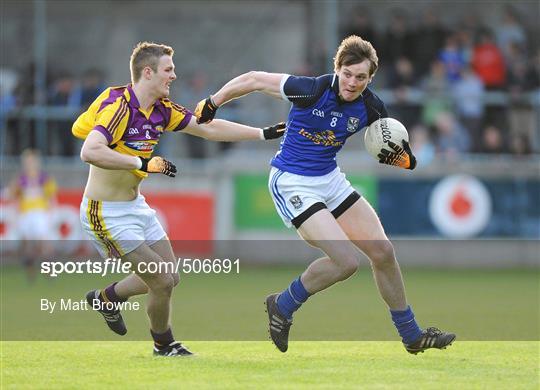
x=296 y=202
x=352 y=124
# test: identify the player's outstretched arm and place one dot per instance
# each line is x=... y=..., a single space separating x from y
x=267 y=83
x=96 y=151
x=226 y=131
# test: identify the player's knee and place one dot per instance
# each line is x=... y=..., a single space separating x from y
x=382 y=253
x=348 y=267
x=162 y=284
x=176 y=278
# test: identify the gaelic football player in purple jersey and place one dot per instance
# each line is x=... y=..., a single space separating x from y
x=121 y=128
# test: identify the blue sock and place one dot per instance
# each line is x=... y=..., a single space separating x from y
x=292 y=298
x=406 y=325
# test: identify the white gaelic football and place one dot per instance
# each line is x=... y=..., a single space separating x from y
x=381 y=131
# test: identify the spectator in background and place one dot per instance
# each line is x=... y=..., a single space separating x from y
x=25 y=89
x=63 y=93
x=25 y=95
x=398 y=40
x=421 y=144
x=520 y=146
x=402 y=80
x=535 y=67
x=465 y=38
x=452 y=57
x=472 y=24
x=92 y=84
x=492 y=141
x=436 y=99
x=402 y=74
x=468 y=94
x=196 y=87
x=8 y=101
x=452 y=138
x=429 y=38
x=488 y=62
x=522 y=79
x=510 y=32
x=360 y=24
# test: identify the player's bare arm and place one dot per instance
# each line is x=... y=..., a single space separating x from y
x=267 y=83
x=222 y=130
x=96 y=151
x=111 y=177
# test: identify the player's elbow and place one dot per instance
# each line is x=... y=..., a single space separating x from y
x=89 y=153
x=85 y=155
x=255 y=80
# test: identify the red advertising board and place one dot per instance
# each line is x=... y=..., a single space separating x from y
x=187 y=217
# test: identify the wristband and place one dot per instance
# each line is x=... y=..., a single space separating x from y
x=261 y=134
x=139 y=163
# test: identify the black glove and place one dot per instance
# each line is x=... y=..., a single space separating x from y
x=205 y=110
x=158 y=165
x=400 y=157
x=275 y=131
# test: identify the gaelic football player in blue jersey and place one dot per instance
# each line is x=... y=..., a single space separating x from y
x=313 y=195
x=121 y=129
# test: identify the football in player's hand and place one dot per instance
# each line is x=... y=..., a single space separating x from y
x=382 y=131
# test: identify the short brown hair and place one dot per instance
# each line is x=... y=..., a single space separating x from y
x=147 y=54
x=354 y=50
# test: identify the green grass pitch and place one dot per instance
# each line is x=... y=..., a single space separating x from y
x=343 y=338
x=308 y=365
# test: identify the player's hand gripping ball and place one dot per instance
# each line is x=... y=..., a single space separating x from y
x=387 y=140
x=158 y=165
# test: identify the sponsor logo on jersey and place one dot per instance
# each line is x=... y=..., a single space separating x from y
x=352 y=124
x=133 y=131
x=338 y=114
x=141 y=146
x=296 y=202
x=325 y=138
x=318 y=113
x=147 y=127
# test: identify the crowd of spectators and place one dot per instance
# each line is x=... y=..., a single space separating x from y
x=466 y=89
x=65 y=92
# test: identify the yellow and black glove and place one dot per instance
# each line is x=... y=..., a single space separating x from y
x=400 y=157
x=275 y=131
x=205 y=110
x=158 y=165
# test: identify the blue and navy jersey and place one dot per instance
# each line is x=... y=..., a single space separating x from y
x=319 y=123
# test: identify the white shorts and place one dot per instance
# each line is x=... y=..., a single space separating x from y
x=298 y=197
x=34 y=225
x=117 y=228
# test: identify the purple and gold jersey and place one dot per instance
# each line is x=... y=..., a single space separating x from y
x=116 y=114
x=35 y=193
